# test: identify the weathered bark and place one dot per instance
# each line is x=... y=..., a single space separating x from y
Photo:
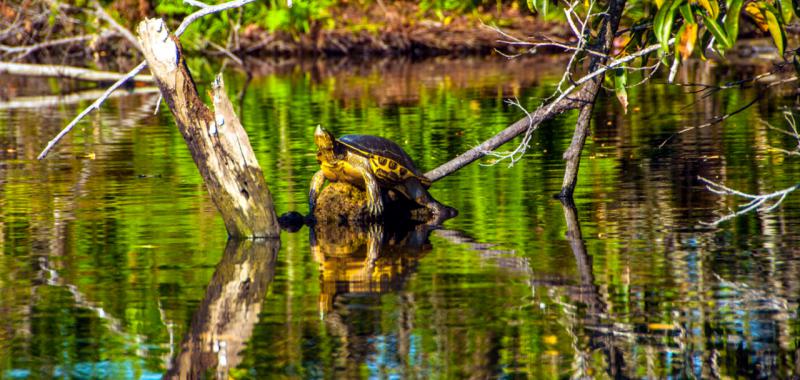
x=573 y=153
x=218 y=143
x=58 y=71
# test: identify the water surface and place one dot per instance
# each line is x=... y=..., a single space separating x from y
x=115 y=264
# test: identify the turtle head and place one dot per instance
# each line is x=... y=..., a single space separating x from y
x=326 y=145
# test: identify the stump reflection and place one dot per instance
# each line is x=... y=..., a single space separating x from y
x=224 y=322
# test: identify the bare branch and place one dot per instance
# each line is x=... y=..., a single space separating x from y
x=24 y=51
x=56 y=100
x=101 y=13
x=185 y=24
x=71 y=72
x=546 y=111
x=207 y=11
x=93 y=106
x=757 y=201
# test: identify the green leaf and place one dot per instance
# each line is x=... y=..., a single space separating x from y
x=686 y=12
x=717 y=31
x=786 y=10
x=775 y=30
x=620 y=82
x=732 y=20
x=704 y=39
x=668 y=22
x=531 y=6
x=543 y=6
x=658 y=25
x=662 y=25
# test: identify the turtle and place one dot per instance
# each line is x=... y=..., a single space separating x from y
x=371 y=163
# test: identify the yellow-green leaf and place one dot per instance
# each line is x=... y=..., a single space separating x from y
x=775 y=30
x=666 y=27
x=785 y=7
x=754 y=11
x=710 y=6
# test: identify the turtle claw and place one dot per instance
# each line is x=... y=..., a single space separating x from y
x=375 y=209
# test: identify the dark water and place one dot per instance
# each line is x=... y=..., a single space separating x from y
x=115 y=264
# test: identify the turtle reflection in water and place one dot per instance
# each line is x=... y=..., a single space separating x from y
x=374 y=164
x=365 y=261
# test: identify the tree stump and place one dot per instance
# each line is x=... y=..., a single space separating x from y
x=218 y=142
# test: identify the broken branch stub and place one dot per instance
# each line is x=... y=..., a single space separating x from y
x=218 y=142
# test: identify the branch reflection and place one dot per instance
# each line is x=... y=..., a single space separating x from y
x=587 y=293
x=224 y=322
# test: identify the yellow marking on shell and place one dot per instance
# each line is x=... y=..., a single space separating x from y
x=389 y=170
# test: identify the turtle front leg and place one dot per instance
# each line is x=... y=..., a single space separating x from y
x=374 y=203
x=374 y=241
x=313 y=193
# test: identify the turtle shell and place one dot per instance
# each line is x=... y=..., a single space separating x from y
x=387 y=160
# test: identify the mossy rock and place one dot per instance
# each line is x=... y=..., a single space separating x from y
x=343 y=203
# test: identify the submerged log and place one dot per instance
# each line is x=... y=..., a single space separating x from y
x=218 y=142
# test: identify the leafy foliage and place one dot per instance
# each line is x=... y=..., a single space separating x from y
x=683 y=28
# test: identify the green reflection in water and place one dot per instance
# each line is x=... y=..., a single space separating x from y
x=113 y=257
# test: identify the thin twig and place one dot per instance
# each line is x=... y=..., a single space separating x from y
x=727 y=116
x=757 y=201
x=226 y=53
x=545 y=111
x=516 y=154
x=93 y=106
x=196 y=3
